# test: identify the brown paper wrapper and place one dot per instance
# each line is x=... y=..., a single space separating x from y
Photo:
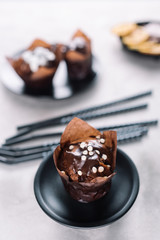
x=77 y=130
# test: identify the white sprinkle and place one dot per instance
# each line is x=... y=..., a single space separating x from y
x=85 y=152
x=82 y=145
x=71 y=147
x=38 y=57
x=108 y=166
x=91 y=153
x=80 y=173
x=104 y=156
x=102 y=140
x=97 y=151
x=77 y=42
x=63 y=172
x=100 y=169
x=83 y=158
x=98 y=137
x=90 y=148
x=94 y=169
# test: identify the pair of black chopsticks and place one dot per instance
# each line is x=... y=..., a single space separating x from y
x=11 y=155
x=125 y=132
x=121 y=129
x=85 y=114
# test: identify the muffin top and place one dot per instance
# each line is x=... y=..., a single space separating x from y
x=85 y=160
x=38 y=56
x=79 y=46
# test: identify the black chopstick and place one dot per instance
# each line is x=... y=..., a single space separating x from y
x=12 y=160
x=58 y=120
x=33 y=137
x=122 y=130
x=131 y=137
x=144 y=123
x=21 y=133
x=36 y=147
x=87 y=116
x=24 y=152
x=90 y=116
x=121 y=139
x=113 y=127
x=20 y=140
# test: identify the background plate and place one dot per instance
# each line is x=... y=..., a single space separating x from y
x=136 y=51
x=62 y=87
x=56 y=202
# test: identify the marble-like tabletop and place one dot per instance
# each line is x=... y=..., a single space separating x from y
x=120 y=74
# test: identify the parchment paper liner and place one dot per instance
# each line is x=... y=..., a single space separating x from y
x=99 y=186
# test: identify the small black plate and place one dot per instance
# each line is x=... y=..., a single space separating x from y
x=136 y=51
x=64 y=89
x=56 y=202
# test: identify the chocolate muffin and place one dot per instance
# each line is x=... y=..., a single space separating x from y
x=79 y=57
x=37 y=65
x=86 y=160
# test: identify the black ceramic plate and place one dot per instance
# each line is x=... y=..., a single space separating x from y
x=136 y=51
x=56 y=202
x=62 y=87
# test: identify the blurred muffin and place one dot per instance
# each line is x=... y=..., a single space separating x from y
x=86 y=160
x=79 y=56
x=37 y=65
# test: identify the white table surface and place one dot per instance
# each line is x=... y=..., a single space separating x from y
x=121 y=74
